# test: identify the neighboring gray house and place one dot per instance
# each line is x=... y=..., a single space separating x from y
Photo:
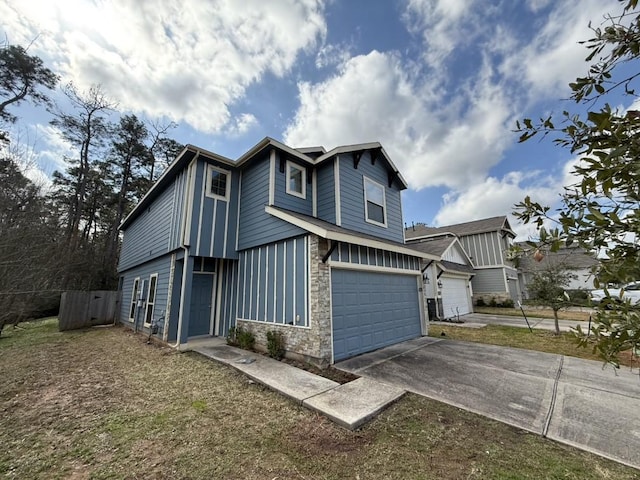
x=574 y=259
x=306 y=242
x=447 y=281
x=485 y=242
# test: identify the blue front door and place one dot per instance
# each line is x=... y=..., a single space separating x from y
x=201 y=304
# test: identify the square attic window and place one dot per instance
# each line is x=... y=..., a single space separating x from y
x=218 y=183
x=296 y=180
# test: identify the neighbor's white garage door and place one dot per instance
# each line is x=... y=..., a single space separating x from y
x=455 y=296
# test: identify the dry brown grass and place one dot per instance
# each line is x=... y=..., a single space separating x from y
x=101 y=403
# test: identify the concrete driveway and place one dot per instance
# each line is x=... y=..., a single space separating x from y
x=570 y=400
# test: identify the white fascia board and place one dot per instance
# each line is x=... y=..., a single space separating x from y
x=456 y=241
x=266 y=141
x=170 y=171
x=454 y=272
x=364 y=146
x=346 y=237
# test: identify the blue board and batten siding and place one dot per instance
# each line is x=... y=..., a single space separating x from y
x=257 y=227
x=161 y=267
x=214 y=220
x=373 y=257
x=148 y=236
x=326 y=187
x=352 y=206
x=272 y=283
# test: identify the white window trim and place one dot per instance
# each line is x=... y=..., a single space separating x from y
x=134 y=298
x=302 y=194
x=384 y=202
x=208 y=191
x=152 y=304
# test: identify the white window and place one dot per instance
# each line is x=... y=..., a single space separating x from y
x=296 y=180
x=134 y=299
x=374 y=203
x=218 y=183
x=151 y=299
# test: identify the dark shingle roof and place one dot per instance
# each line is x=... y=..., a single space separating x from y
x=573 y=258
x=435 y=246
x=477 y=226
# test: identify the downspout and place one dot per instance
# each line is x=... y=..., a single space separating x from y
x=185 y=247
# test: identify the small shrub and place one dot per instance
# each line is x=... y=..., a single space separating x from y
x=480 y=302
x=241 y=337
x=275 y=344
x=492 y=302
x=508 y=303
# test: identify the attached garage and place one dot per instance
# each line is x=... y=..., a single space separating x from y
x=456 y=297
x=371 y=310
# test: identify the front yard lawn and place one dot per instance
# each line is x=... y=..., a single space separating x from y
x=101 y=403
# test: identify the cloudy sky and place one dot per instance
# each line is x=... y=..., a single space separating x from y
x=440 y=83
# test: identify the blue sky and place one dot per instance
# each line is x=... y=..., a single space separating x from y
x=440 y=83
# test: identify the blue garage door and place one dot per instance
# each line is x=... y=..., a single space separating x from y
x=372 y=310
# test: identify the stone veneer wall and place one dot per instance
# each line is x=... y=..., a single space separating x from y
x=313 y=343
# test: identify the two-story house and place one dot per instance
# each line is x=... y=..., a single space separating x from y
x=486 y=243
x=302 y=241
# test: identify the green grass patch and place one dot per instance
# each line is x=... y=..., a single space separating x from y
x=103 y=404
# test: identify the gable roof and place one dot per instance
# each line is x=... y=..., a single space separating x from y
x=360 y=147
x=493 y=224
x=191 y=151
x=331 y=231
x=438 y=246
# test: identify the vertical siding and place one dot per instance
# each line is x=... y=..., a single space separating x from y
x=272 y=282
x=148 y=236
x=213 y=226
x=485 y=249
x=256 y=227
x=228 y=299
x=178 y=210
x=284 y=200
x=326 y=192
x=454 y=255
x=352 y=198
x=360 y=255
x=162 y=267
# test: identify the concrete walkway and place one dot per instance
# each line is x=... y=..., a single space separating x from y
x=350 y=405
x=570 y=400
x=479 y=320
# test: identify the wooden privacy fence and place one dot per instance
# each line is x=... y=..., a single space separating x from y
x=84 y=309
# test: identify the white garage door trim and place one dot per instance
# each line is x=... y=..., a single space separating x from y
x=455 y=293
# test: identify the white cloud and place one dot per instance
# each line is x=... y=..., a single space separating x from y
x=376 y=97
x=187 y=60
x=241 y=124
x=497 y=196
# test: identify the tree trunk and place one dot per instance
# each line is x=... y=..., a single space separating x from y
x=555 y=318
